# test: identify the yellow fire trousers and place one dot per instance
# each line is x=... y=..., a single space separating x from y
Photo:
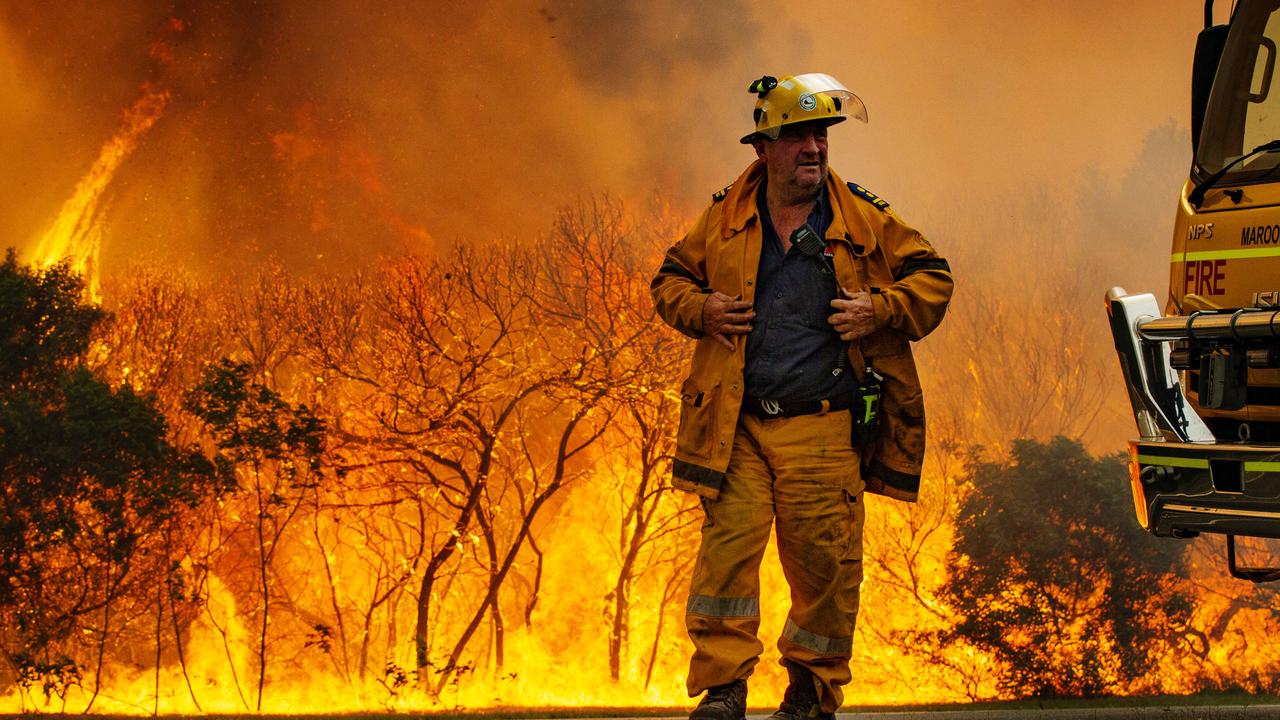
x=802 y=473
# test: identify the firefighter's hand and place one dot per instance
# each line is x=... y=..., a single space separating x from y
x=853 y=317
x=723 y=316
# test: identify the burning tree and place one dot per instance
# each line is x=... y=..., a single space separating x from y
x=91 y=489
x=596 y=272
x=443 y=367
x=273 y=451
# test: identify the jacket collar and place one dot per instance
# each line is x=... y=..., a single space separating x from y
x=848 y=223
x=740 y=202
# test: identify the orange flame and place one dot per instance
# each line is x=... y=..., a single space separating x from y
x=76 y=234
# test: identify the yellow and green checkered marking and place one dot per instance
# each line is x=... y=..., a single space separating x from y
x=1236 y=254
x=1203 y=464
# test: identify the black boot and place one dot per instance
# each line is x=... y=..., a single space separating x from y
x=723 y=702
x=801 y=699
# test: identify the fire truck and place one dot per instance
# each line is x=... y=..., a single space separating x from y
x=1203 y=376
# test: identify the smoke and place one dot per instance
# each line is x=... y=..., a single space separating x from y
x=327 y=134
x=619 y=48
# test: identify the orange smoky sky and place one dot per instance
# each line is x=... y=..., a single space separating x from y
x=330 y=133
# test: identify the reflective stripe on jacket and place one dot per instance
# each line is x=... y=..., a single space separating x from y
x=874 y=252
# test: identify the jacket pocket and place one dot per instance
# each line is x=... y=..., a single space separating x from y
x=708 y=520
x=901 y=442
x=854 y=516
x=697 y=420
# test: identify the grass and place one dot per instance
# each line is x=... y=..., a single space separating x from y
x=1171 y=701
x=1133 y=701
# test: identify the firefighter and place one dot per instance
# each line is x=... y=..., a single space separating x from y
x=803 y=293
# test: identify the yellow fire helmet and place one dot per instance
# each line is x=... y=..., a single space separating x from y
x=801 y=98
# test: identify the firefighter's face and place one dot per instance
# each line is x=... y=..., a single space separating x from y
x=798 y=158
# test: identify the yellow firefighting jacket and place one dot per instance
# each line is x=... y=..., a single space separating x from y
x=874 y=251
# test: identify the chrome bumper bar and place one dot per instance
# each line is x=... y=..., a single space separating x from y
x=1239 y=325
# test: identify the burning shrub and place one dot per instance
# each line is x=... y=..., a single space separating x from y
x=1051 y=576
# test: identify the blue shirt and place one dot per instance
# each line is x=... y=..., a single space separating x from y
x=793 y=353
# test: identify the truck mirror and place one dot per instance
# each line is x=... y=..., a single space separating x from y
x=1204 y=66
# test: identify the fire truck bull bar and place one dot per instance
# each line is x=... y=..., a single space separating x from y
x=1185 y=480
